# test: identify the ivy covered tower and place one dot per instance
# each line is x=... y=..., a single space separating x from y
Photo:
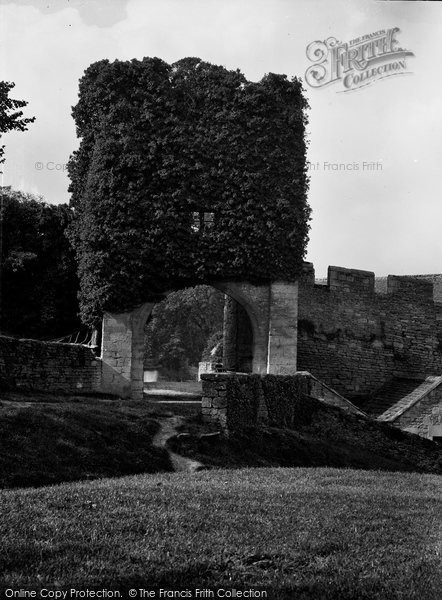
x=186 y=174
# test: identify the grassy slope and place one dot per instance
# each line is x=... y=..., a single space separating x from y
x=323 y=436
x=46 y=439
x=299 y=533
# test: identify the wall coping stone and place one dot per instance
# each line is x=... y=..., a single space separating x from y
x=352 y=407
x=349 y=271
x=431 y=383
x=222 y=375
x=26 y=340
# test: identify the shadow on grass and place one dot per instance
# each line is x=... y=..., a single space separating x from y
x=324 y=437
x=45 y=443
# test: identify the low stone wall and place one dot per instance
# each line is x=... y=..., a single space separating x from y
x=235 y=401
x=48 y=367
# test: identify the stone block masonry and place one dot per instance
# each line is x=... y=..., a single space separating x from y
x=355 y=340
x=235 y=401
x=237 y=338
x=122 y=352
x=283 y=328
x=248 y=404
x=423 y=416
x=48 y=367
x=214 y=398
x=350 y=337
x=266 y=343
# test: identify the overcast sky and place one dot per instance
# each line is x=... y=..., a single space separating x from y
x=385 y=219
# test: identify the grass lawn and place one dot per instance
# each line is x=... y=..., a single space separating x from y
x=298 y=533
x=48 y=438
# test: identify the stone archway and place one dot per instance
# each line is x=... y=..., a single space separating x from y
x=271 y=308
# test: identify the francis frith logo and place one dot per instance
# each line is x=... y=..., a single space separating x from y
x=358 y=63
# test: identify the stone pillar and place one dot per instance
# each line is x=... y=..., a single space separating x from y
x=214 y=399
x=139 y=318
x=255 y=301
x=283 y=328
x=244 y=341
x=122 y=352
x=237 y=338
x=230 y=334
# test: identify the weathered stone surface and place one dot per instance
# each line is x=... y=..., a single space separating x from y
x=354 y=339
x=219 y=399
x=267 y=345
x=423 y=416
x=46 y=366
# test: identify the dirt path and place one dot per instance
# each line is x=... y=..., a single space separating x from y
x=168 y=428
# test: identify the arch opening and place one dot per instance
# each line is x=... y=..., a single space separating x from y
x=261 y=336
x=194 y=331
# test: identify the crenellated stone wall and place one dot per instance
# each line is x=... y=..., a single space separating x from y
x=355 y=339
x=351 y=338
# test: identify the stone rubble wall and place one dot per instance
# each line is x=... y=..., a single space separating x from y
x=48 y=366
x=436 y=280
x=235 y=401
x=354 y=339
x=214 y=398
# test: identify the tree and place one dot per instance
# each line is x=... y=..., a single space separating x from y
x=180 y=326
x=186 y=174
x=11 y=117
x=40 y=285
